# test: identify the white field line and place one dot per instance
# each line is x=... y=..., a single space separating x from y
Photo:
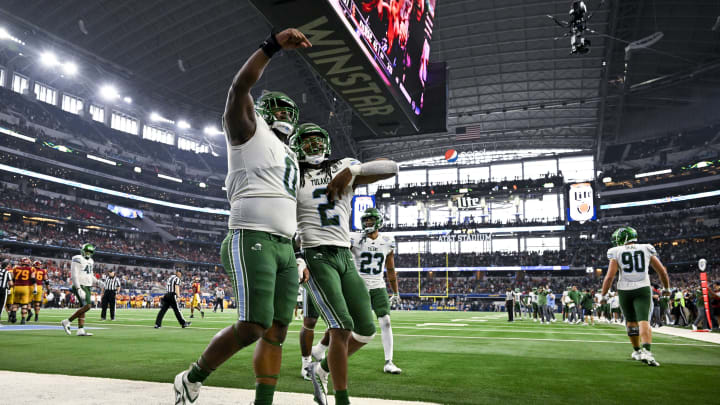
x=73 y=390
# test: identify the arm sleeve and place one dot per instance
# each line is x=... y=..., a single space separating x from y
x=374 y=168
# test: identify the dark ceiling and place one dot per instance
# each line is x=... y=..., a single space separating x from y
x=511 y=85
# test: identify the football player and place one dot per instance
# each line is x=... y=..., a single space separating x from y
x=22 y=276
x=41 y=284
x=370 y=250
x=195 y=303
x=324 y=206
x=633 y=287
x=257 y=252
x=83 y=278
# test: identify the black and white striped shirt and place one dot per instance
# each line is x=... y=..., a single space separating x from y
x=112 y=283
x=5 y=278
x=171 y=283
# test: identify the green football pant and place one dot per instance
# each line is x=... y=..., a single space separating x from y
x=83 y=301
x=263 y=271
x=338 y=291
x=380 y=302
x=636 y=304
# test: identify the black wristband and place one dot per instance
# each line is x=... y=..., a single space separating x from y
x=270 y=46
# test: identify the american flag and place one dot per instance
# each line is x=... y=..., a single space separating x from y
x=467 y=133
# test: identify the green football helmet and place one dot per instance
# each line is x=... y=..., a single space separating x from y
x=274 y=102
x=87 y=250
x=311 y=144
x=374 y=214
x=624 y=235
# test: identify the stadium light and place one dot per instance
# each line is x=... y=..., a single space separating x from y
x=607 y=179
x=5 y=35
x=175 y=179
x=128 y=100
x=182 y=124
x=49 y=59
x=202 y=185
x=102 y=160
x=212 y=130
x=159 y=118
x=70 y=68
x=655 y=173
x=137 y=169
x=109 y=92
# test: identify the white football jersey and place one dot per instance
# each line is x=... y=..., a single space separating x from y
x=633 y=264
x=322 y=222
x=81 y=270
x=370 y=256
x=262 y=183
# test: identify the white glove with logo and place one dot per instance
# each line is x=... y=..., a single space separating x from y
x=395 y=299
x=81 y=293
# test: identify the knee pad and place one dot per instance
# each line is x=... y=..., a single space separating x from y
x=363 y=339
x=633 y=331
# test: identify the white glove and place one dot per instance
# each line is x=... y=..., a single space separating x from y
x=35 y=290
x=81 y=293
x=395 y=299
x=101 y=284
x=301 y=268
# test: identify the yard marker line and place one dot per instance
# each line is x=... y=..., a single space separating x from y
x=549 y=340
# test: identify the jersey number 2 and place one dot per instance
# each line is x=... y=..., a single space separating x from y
x=633 y=262
x=324 y=207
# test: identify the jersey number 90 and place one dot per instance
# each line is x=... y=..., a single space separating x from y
x=633 y=262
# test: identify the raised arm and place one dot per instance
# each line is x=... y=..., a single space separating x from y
x=239 y=115
x=363 y=173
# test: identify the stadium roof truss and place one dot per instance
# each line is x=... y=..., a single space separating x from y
x=511 y=84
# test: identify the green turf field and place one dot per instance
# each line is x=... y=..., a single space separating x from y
x=469 y=358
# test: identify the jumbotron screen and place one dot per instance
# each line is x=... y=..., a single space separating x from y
x=395 y=35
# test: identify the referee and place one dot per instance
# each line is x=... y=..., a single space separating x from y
x=510 y=303
x=112 y=287
x=219 y=295
x=172 y=287
x=6 y=283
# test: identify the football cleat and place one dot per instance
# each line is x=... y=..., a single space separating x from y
x=66 y=325
x=648 y=358
x=187 y=324
x=81 y=332
x=158 y=326
x=319 y=379
x=636 y=355
x=391 y=368
x=185 y=391
x=202 y=314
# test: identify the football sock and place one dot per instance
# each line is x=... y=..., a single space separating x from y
x=342 y=397
x=197 y=373
x=646 y=346
x=387 y=337
x=324 y=365
x=319 y=350
x=264 y=394
x=636 y=348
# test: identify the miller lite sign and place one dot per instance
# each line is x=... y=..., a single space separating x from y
x=582 y=207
